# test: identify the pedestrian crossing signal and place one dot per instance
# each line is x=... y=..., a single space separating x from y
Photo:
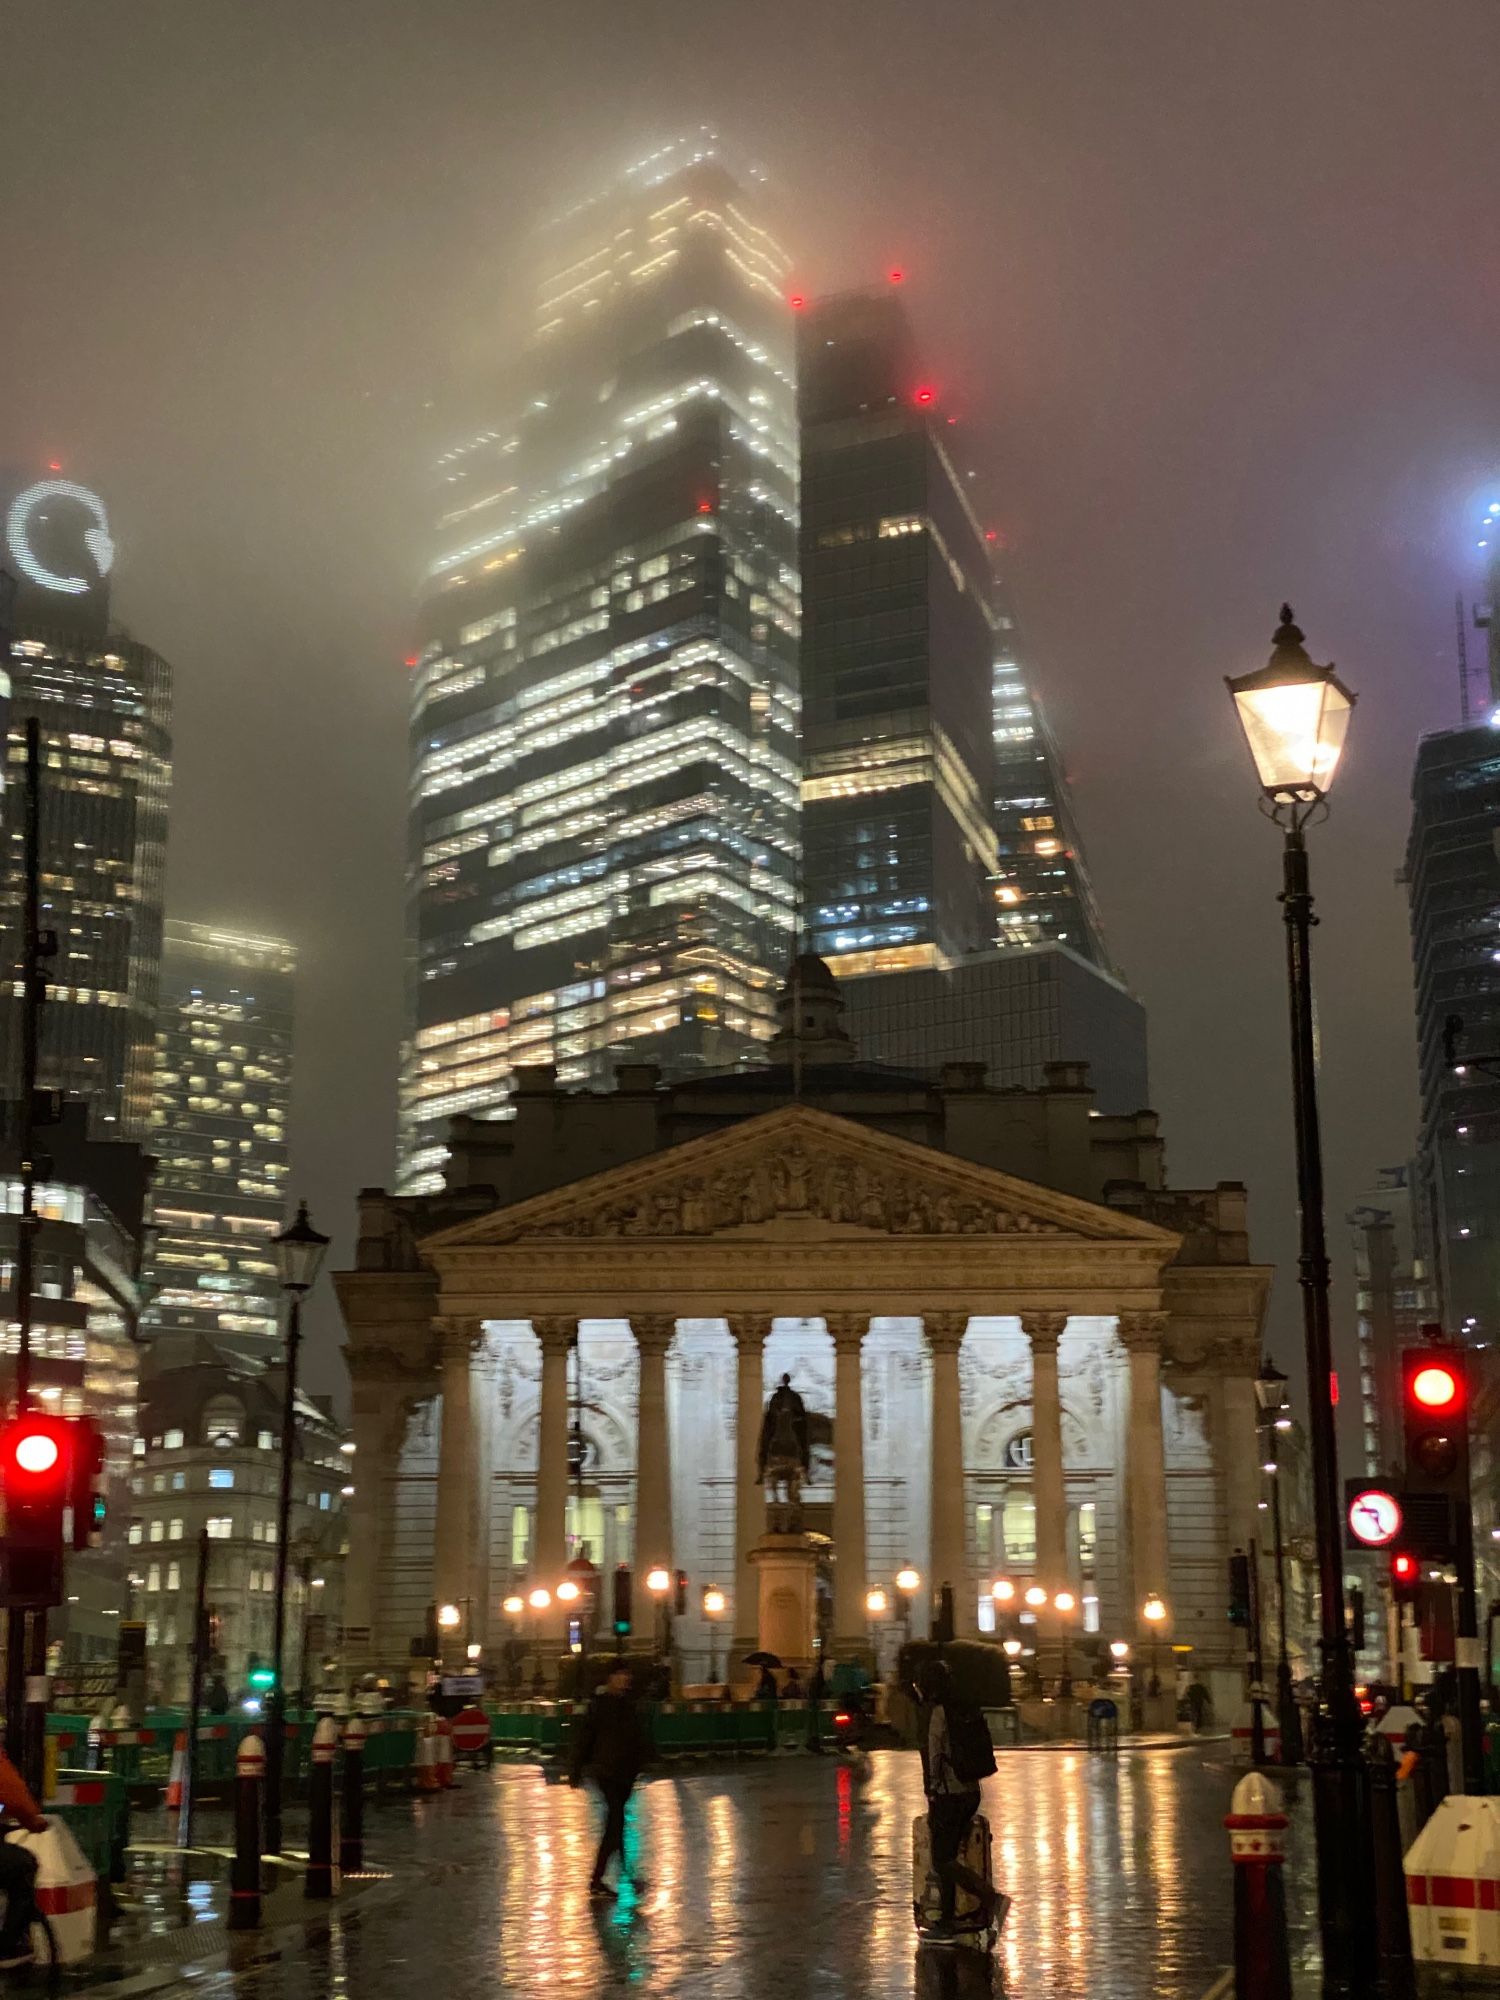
x=622 y=1601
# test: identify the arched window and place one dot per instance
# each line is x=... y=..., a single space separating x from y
x=222 y=1420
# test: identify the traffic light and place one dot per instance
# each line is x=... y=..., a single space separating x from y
x=1435 y=1421
x=35 y=1469
x=622 y=1601
x=1239 y=1588
x=1406 y=1577
x=679 y=1596
x=85 y=1483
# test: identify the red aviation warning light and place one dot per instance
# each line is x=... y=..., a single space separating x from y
x=797 y=301
x=925 y=396
x=896 y=275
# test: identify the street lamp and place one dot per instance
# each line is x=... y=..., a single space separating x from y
x=1003 y=1590
x=1036 y=1597
x=299 y=1256
x=1270 y=1396
x=539 y=1598
x=659 y=1583
x=1154 y=1611
x=449 y=1617
x=714 y=1606
x=1065 y=1604
x=908 y=1582
x=876 y=1603
x=1295 y=716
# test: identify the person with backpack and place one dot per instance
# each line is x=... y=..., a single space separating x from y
x=956 y=1756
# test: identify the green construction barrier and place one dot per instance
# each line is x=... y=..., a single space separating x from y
x=94 y=1807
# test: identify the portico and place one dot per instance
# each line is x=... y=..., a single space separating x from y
x=1004 y=1375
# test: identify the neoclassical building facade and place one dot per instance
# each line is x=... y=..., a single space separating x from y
x=1021 y=1353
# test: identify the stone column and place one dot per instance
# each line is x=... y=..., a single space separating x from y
x=1145 y=1467
x=750 y=1331
x=653 y=1465
x=549 y=1527
x=945 y=1333
x=1048 y=1487
x=850 y=1576
x=453 y=1537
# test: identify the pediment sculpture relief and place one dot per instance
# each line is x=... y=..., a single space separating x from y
x=789 y=1183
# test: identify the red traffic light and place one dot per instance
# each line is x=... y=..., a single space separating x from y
x=34 y=1456
x=1435 y=1386
x=36 y=1452
x=1404 y=1569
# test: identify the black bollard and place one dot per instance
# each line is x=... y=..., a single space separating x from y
x=352 y=1834
x=319 y=1879
x=244 y=1873
x=1392 y=1929
x=1257 y=1846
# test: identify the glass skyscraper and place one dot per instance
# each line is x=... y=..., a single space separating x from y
x=1043 y=894
x=104 y=706
x=898 y=643
x=604 y=703
x=218 y=1129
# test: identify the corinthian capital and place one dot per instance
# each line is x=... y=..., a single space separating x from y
x=556 y=1332
x=1142 y=1331
x=749 y=1331
x=653 y=1331
x=945 y=1331
x=847 y=1331
x=458 y=1334
x=1044 y=1330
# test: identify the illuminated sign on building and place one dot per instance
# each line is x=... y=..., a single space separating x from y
x=37 y=556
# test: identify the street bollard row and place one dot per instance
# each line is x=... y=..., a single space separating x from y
x=244 y=1874
x=318 y=1882
x=1257 y=1846
x=352 y=1840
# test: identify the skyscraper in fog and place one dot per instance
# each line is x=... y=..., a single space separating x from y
x=1043 y=894
x=104 y=705
x=897 y=655
x=604 y=785
x=219 y=1132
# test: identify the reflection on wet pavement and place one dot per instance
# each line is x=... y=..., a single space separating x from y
x=791 y=1879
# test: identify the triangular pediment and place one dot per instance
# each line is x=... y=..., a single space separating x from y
x=798 y=1172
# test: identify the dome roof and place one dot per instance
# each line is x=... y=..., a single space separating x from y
x=808 y=971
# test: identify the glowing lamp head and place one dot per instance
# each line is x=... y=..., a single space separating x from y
x=908 y=1580
x=713 y=1603
x=1153 y=1610
x=449 y=1617
x=1065 y=1602
x=1435 y=1386
x=876 y=1603
x=1119 y=1649
x=37 y=1452
x=513 y=1606
x=568 y=1591
x=1295 y=716
x=540 y=1598
x=1012 y=1649
x=658 y=1582
x=1036 y=1597
x=1003 y=1590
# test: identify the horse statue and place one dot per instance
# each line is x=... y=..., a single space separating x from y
x=784 y=1453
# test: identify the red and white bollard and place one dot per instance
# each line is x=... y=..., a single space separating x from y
x=1257 y=1847
x=244 y=1873
x=320 y=1879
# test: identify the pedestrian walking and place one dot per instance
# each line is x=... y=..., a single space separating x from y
x=953 y=1764
x=17 y=1867
x=611 y=1748
x=765 y=1687
x=792 y=1688
x=817 y=1694
x=1198 y=1705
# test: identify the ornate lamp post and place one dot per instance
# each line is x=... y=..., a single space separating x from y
x=539 y=1600
x=659 y=1583
x=1154 y=1611
x=714 y=1605
x=299 y=1257
x=1270 y=1395
x=1295 y=715
x=1064 y=1603
x=908 y=1582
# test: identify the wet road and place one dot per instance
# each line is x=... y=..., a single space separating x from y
x=786 y=1880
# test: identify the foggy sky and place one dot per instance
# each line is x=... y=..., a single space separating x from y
x=1213 y=288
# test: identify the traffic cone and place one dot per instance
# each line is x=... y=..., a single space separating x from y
x=427 y=1767
x=177 y=1777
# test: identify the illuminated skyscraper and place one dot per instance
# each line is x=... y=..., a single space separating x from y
x=104 y=706
x=1043 y=894
x=218 y=1130
x=604 y=705
x=896 y=659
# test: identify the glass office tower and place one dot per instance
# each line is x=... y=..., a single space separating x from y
x=104 y=706
x=898 y=644
x=1043 y=894
x=604 y=705
x=219 y=1131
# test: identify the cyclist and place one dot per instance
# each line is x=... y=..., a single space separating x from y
x=17 y=1867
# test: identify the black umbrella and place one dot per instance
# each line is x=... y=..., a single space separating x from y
x=761 y=1660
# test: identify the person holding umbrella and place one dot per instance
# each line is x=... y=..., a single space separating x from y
x=765 y=1687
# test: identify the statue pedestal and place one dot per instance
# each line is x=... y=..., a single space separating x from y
x=787 y=1565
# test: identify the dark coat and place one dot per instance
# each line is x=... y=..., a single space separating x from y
x=612 y=1744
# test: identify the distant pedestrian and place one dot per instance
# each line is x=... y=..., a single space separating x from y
x=951 y=1773
x=217 y=1698
x=611 y=1747
x=792 y=1688
x=817 y=1694
x=765 y=1687
x=1198 y=1705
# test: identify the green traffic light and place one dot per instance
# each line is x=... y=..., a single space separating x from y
x=262 y=1677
